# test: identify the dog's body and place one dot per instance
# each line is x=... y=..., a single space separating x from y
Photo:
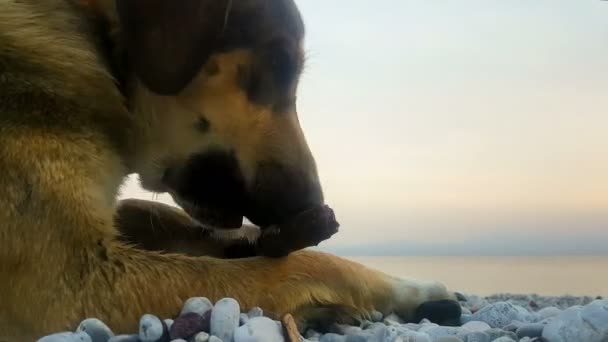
x=67 y=140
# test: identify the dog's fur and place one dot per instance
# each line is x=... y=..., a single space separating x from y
x=68 y=138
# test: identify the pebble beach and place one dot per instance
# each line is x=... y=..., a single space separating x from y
x=495 y=318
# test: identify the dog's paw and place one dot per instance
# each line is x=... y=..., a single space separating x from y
x=416 y=300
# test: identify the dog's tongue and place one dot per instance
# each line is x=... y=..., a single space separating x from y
x=307 y=229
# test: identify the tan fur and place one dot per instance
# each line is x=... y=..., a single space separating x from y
x=66 y=144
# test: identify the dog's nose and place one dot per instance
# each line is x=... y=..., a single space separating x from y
x=279 y=193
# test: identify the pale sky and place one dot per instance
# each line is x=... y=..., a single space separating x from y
x=458 y=126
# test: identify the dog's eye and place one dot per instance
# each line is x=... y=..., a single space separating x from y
x=203 y=125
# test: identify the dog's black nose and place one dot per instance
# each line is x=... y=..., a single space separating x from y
x=279 y=193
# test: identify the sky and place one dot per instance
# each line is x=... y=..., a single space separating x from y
x=444 y=127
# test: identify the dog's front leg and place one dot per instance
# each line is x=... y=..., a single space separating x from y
x=159 y=227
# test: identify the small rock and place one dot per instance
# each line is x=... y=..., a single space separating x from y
x=448 y=339
x=225 y=318
x=179 y=340
x=504 y=339
x=496 y=333
x=465 y=310
x=477 y=336
x=66 y=337
x=125 y=338
x=198 y=305
x=513 y=326
x=476 y=326
x=411 y=326
x=393 y=317
x=359 y=338
x=168 y=322
x=424 y=321
x=243 y=318
x=530 y=330
x=152 y=329
x=186 y=326
x=255 y=312
x=259 y=329
x=96 y=329
x=547 y=312
x=215 y=339
x=498 y=314
x=331 y=337
x=464 y=318
x=441 y=331
x=376 y=316
x=589 y=324
x=201 y=337
x=311 y=333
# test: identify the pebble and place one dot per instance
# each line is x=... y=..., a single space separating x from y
x=588 y=323
x=259 y=329
x=66 y=337
x=168 y=322
x=201 y=337
x=331 y=337
x=449 y=339
x=225 y=318
x=376 y=316
x=255 y=312
x=198 y=305
x=243 y=318
x=179 y=340
x=151 y=329
x=504 y=339
x=499 y=314
x=476 y=326
x=530 y=330
x=477 y=336
x=215 y=339
x=125 y=338
x=496 y=333
x=187 y=325
x=548 y=312
x=96 y=329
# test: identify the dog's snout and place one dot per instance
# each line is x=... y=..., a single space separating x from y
x=281 y=192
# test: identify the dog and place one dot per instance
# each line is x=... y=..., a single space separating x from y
x=197 y=97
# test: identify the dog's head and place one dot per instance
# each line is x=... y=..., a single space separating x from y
x=217 y=81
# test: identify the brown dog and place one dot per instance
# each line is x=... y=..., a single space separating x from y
x=210 y=118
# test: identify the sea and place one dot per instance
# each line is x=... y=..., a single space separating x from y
x=486 y=275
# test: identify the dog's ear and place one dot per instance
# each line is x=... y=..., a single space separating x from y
x=167 y=41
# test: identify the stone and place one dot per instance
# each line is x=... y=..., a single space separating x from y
x=125 y=338
x=331 y=337
x=496 y=333
x=530 y=330
x=499 y=314
x=393 y=317
x=311 y=333
x=504 y=339
x=441 y=331
x=198 y=305
x=66 y=337
x=476 y=326
x=255 y=312
x=186 y=326
x=477 y=336
x=168 y=322
x=215 y=339
x=448 y=339
x=179 y=340
x=243 y=318
x=152 y=329
x=548 y=312
x=96 y=329
x=588 y=323
x=225 y=318
x=513 y=326
x=201 y=337
x=259 y=329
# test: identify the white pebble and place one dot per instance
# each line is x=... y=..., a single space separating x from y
x=150 y=328
x=201 y=337
x=225 y=318
x=66 y=337
x=215 y=339
x=259 y=329
x=198 y=305
x=96 y=329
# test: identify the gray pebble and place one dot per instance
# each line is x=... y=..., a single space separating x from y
x=513 y=326
x=151 y=329
x=464 y=318
x=358 y=338
x=588 y=323
x=168 y=323
x=465 y=310
x=393 y=317
x=331 y=337
x=225 y=318
x=441 y=331
x=66 y=337
x=477 y=336
x=548 y=312
x=198 y=305
x=255 y=312
x=179 y=340
x=96 y=329
x=243 y=318
x=530 y=330
x=448 y=339
x=499 y=314
x=201 y=337
x=215 y=339
x=259 y=329
x=343 y=329
x=310 y=333
x=476 y=326
x=125 y=338
x=496 y=333
x=504 y=339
